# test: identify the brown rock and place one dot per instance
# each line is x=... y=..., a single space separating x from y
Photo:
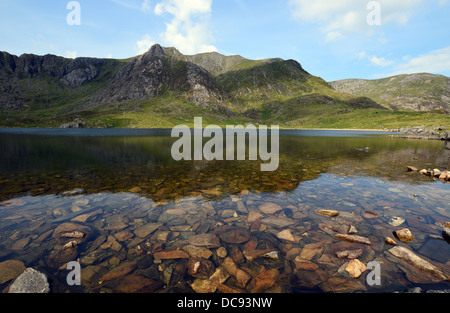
x=266 y=279
x=20 y=244
x=241 y=276
x=253 y=216
x=146 y=230
x=85 y=217
x=197 y=252
x=10 y=270
x=404 y=235
x=204 y=286
x=134 y=284
x=123 y=235
x=353 y=238
x=254 y=254
x=67 y=231
x=208 y=240
x=413 y=259
x=390 y=241
x=63 y=256
x=222 y=252
x=235 y=235
x=119 y=271
x=412 y=169
x=305 y=265
x=170 y=255
x=200 y=268
x=310 y=251
x=355 y=268
x=330 y=213
x=349 y=254
x=70 y=245
x=270 y=208
x=286 y=235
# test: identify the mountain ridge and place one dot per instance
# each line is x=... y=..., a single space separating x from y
x=417 y=92
x=163 y=87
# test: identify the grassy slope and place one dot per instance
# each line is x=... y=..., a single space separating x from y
x=406 y=92
x=278 y=94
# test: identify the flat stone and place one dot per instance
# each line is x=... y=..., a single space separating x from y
x=270 y=208
x=349 y=254
x=134 y=284
x=197 y=252
x=253 y=216
x=353 y=238
x=146 y=230
x=170 y=255
x=20 y=244
x=411 y=258
x=310 y=251
x=83 y=218
x=31 y=281
x=235 y=235
x=119 y=271
x=286 y=235
x=10 y=270
x=305 y=265
x=208 y=240
x=123 y=235
x=355 y=268
x=278 y=222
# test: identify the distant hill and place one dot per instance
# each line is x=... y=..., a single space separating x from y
x=416 y=92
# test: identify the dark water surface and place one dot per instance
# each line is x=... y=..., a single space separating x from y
x=141 y=212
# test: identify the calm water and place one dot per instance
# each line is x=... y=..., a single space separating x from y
x=135 y=206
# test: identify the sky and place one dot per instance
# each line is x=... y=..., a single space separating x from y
x=333 y=39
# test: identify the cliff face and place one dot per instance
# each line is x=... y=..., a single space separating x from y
x=26 y=79
x=151 y=74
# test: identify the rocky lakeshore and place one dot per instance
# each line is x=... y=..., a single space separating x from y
x=243 y=243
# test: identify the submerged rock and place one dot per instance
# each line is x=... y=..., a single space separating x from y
x=208 y=240
x=31 y=281
x=330 y=213
x=349 y=254
x=355 y=268
x=270 y=208
x=10 y=270
x=354 y=238
x=411 y=258
x=404 y=235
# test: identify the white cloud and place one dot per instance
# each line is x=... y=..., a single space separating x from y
x=71 y=54
x=349 y=16
x=189 y=29
x=374 y=60
x=146 y=7
x=144 y=44
x=436 y=61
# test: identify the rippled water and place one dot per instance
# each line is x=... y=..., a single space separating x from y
x=133 y=202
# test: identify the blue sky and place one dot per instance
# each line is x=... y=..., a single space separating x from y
x=330 y=38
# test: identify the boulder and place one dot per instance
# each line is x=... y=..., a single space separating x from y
x=31 y=281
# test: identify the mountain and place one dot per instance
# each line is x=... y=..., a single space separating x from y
x=164 y=88
x=416 y=92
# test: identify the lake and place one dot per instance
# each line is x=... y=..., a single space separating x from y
x=152 y=224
